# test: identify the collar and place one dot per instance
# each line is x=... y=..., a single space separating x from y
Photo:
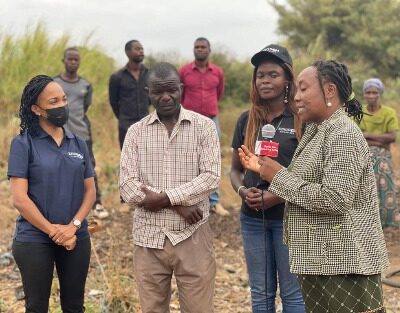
x=68 y=134
x=335 y=115
x=210 y=66
x=142 y=67
x=42 y=134
x=287 y=113
x=78 y=78
x=183 y=115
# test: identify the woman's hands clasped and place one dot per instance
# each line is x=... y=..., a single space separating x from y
x=64 y=235
x=70 y=244
x=252 y=197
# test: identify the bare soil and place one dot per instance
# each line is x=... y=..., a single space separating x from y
x=111 y=283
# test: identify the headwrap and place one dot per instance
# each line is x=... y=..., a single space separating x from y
x=374 y=82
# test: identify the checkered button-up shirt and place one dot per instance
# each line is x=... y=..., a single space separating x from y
x=186 y=165
x=332 y=225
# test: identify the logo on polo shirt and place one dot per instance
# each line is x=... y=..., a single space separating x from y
x=75 y=155
x=289 y=131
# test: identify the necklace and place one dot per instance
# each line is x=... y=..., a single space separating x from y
x=279 y=123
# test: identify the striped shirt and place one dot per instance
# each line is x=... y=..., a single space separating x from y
x=186 y=165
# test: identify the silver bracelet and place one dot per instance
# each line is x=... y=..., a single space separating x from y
x=240 y=187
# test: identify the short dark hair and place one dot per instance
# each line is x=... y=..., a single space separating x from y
x=129 y=44
x=203 y=39
x=70 y=49
x=162 y=70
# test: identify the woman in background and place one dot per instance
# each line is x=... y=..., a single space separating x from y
x=379 y=127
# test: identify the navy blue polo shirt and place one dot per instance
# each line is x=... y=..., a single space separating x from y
x=55 y=177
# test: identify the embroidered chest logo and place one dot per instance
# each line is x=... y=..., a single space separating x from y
x=75 y=155
x=289 y=131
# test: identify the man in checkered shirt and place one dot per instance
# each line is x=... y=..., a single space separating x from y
x=170 y=163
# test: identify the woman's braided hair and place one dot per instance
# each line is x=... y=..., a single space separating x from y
x=337 y=73
x=29 y=120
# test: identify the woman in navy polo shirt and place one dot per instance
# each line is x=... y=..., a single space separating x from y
x=53 y=189
x=261 y=218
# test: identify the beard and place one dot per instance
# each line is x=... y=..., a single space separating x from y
x=201 y=57
x=137 y=59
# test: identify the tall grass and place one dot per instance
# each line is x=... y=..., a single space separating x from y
x=34 y=53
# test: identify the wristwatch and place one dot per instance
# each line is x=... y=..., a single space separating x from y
x=77 y=223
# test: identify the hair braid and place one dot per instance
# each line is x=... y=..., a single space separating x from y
x=337 y=73
x=29 y=120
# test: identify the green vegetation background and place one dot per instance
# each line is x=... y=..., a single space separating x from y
x=362 y=33
x=34 y=53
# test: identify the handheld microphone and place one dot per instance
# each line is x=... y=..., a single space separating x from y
x=268 y=131
x=266 y=146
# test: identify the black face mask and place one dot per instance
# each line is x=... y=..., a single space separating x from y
x=58 y=116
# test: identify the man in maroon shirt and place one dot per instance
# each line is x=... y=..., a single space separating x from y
x=203 y=89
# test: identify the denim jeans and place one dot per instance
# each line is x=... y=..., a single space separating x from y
x=265 y=250
x=214 y=196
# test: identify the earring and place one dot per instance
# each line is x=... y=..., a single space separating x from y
x=285 y=99
x=329 y=104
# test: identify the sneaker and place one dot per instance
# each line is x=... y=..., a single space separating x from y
x=220 y=210
x=100 y=212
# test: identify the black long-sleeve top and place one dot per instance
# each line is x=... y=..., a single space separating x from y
x=128 y=98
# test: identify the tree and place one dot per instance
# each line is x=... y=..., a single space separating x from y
x=354 y=30
x=237 y=77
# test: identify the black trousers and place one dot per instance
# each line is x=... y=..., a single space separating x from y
x=36 y=264
x=121 y=135
x=123 y=127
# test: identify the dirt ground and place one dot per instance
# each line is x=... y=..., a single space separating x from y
x=111 y=287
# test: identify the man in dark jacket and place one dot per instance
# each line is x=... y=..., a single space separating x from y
x=128 y=98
